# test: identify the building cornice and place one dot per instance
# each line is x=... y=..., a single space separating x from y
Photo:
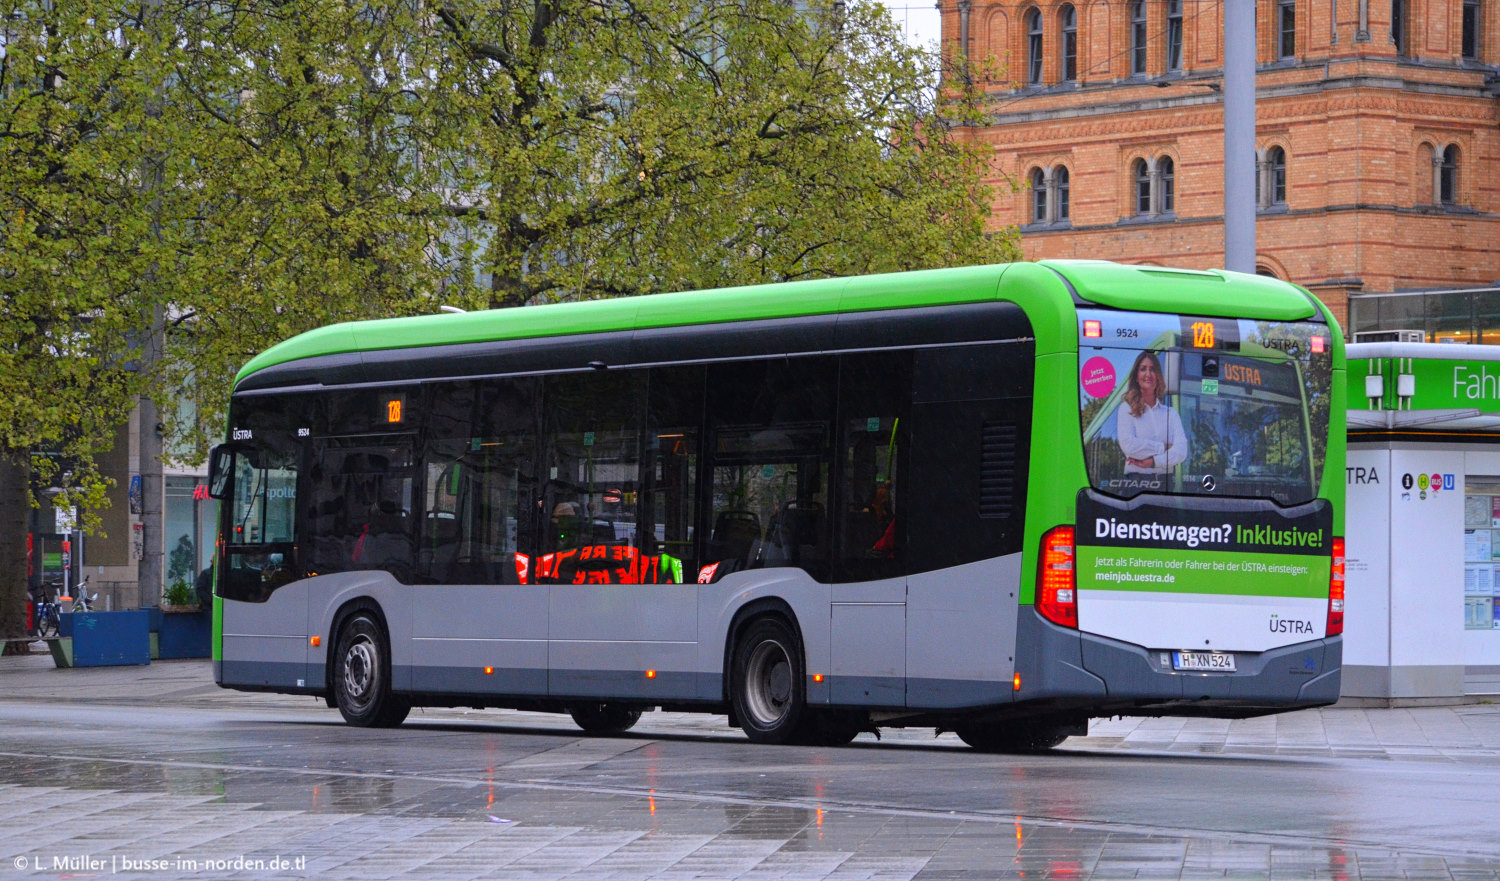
x=1342 y=86
x=1135 y=223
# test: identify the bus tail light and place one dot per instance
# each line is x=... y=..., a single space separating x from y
x=1056 y=597
x=1336 y=590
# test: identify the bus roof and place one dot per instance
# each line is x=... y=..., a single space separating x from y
x=1037 y=287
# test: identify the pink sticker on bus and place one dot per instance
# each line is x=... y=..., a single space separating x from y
x=1098 y=377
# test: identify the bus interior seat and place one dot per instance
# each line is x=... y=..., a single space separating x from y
x=862 y=529
x=795 y=534
x=441 y=550
x=735 y=535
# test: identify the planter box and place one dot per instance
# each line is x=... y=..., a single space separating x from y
x=103 y=639
x=184 y=635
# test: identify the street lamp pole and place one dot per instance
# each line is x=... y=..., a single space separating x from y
x=1239 y=135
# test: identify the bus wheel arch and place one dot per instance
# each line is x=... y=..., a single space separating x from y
x=765 y=673
x=358 y=669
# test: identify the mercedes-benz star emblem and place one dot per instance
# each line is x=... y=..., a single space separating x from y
x=1209 y=483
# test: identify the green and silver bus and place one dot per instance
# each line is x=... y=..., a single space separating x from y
x=996 y=500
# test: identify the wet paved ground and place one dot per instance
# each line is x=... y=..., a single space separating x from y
x=154 y=773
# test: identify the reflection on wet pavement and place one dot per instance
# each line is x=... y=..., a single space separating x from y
x=245 y=778
x=190 y=811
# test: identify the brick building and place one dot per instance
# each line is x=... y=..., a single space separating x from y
x=1377 y=147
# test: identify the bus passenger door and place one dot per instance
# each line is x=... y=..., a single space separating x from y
x=479 y=623
x=622 y=621
x=867 y=615
x=970 y=436
x=264 y=602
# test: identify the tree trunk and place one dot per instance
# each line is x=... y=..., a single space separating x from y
x=15 y=523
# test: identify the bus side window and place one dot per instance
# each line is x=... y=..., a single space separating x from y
x=669 y=479
x=479 y=482
x=772 y=445
x=874 y=409
x=360 y=504
x=592 y=461
x=970 y=437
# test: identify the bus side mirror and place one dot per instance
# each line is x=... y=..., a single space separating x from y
x=220 y=467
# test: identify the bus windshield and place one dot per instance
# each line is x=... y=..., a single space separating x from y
x=1203 y=406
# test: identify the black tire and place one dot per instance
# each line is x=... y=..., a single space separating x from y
x=832 y=727
x=1021 y=736
x=47 y=624
x=362 y=676
x=604 y=718
x=766 y=682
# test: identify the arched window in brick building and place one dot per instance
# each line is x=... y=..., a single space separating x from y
x=1038 y=196
x=1155 y=184
x=1137 y=37
x=1141 y=171
x=1424 y=187
x=1067 y=16
x=1278 y=176
x=1470 y=41
x=1174 y=35
x=1270 y=180
x=1400 y=20
x=1447 y=177
x=1286 y=28
x=1049 y=194
x=1033 y=19
x=1060 y=185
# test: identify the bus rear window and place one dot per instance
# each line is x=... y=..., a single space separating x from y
x=1203 y=406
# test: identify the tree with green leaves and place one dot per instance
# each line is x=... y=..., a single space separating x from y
x=80 y=236
x=262 y=168
x=382 y=159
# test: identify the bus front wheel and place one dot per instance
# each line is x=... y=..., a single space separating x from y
x=767 y=682
x=362 y=676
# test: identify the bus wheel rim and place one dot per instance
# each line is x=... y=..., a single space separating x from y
x=768 y=683
x=359 y=670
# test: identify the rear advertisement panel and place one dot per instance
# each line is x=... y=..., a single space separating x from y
x=1205 y=440
x=1225 y=575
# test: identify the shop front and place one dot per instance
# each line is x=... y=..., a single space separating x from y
x=1423 y=523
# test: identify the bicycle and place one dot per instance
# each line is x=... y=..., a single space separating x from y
x=46 y=621
x=82 y=602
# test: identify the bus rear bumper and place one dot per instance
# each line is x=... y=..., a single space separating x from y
x=1140 y=680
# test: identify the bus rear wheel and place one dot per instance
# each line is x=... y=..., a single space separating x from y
x=766 y=683
x=362 y=676
x=604 y=718
x=832 y=727
x=1019 y=736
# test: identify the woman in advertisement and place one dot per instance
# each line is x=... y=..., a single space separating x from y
x=1151 y=435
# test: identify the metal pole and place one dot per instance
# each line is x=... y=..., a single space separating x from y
x=150 y=571
x=1239 y=135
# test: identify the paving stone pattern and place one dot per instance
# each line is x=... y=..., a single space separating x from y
x=561 y=807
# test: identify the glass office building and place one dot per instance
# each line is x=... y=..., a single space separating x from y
x=1455 y=315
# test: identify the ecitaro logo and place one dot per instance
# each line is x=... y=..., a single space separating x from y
x=1279 y=624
